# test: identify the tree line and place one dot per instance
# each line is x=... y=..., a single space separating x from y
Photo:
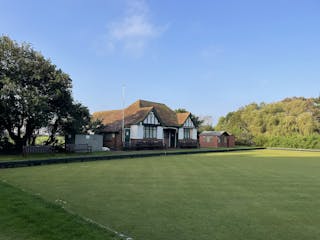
x=292 y=122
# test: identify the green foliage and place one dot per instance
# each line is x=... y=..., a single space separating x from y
x=293 y=122
x=41 y=140
x=205 y=128
x=293 y=141
x=35 y=94
x=5 y=145
x=94 y=126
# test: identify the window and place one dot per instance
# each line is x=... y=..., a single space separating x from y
x=108 y=136
x=188 y=123
x=151 y=119
x=222 y=139
x=150 y=132
x=208 y=139
x=187 y=133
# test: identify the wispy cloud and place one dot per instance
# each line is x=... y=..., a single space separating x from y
x=131 y=33
x=211 y=51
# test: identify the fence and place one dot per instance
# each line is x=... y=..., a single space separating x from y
x=37 y=149
x=78 y=148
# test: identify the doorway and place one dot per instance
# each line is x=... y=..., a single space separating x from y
x=127 y=137
x=170 y=137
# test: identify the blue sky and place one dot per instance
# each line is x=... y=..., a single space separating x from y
x=210 y=57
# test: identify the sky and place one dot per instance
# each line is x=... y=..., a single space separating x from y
x=210 y=57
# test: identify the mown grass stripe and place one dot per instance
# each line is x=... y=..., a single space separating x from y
x=27 y=216
x=38 y=162
x=89 y=220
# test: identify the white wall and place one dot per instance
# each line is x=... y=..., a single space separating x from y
x=151 y=119
x=95 y=141
x=194 y=134
x=188 y=123
x=136 y=131
x=180 y=134
x=140 y=132
x=159 y=132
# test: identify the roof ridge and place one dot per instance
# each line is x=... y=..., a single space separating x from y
x=150 y=102
x=138 y=109
x=183 y=112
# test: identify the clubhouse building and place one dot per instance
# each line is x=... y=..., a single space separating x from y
x=146 y=124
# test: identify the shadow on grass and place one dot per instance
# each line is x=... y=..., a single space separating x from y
x=24 y=216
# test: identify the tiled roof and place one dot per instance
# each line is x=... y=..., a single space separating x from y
x=214 y=133
x=137 y=112
x=113 y=119
x=182 y=117
x=167 y=116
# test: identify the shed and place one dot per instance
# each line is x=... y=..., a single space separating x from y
x=216 y=139
x=94 y=141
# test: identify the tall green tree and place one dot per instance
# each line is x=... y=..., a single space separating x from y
x=34 y=93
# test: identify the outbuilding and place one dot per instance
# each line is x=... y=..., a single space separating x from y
x=216 y=139
x=84 y=143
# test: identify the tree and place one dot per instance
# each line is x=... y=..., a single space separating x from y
x=196 y=120
x=34 y=93
x=206 y=128
x=291 y=122
x=74 y=119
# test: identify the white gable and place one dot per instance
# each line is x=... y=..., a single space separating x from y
x=188 y=123
x=151 y=119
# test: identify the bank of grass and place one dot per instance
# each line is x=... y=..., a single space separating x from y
x=25 y=216
x=263 y=194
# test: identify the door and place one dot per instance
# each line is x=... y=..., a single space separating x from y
x=169 y=137
x=172 y=139
x=127 y=137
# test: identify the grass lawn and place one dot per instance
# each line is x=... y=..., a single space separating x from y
x=35 y=156
x=25 y=216
x=262 y=194
x=17 y=157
